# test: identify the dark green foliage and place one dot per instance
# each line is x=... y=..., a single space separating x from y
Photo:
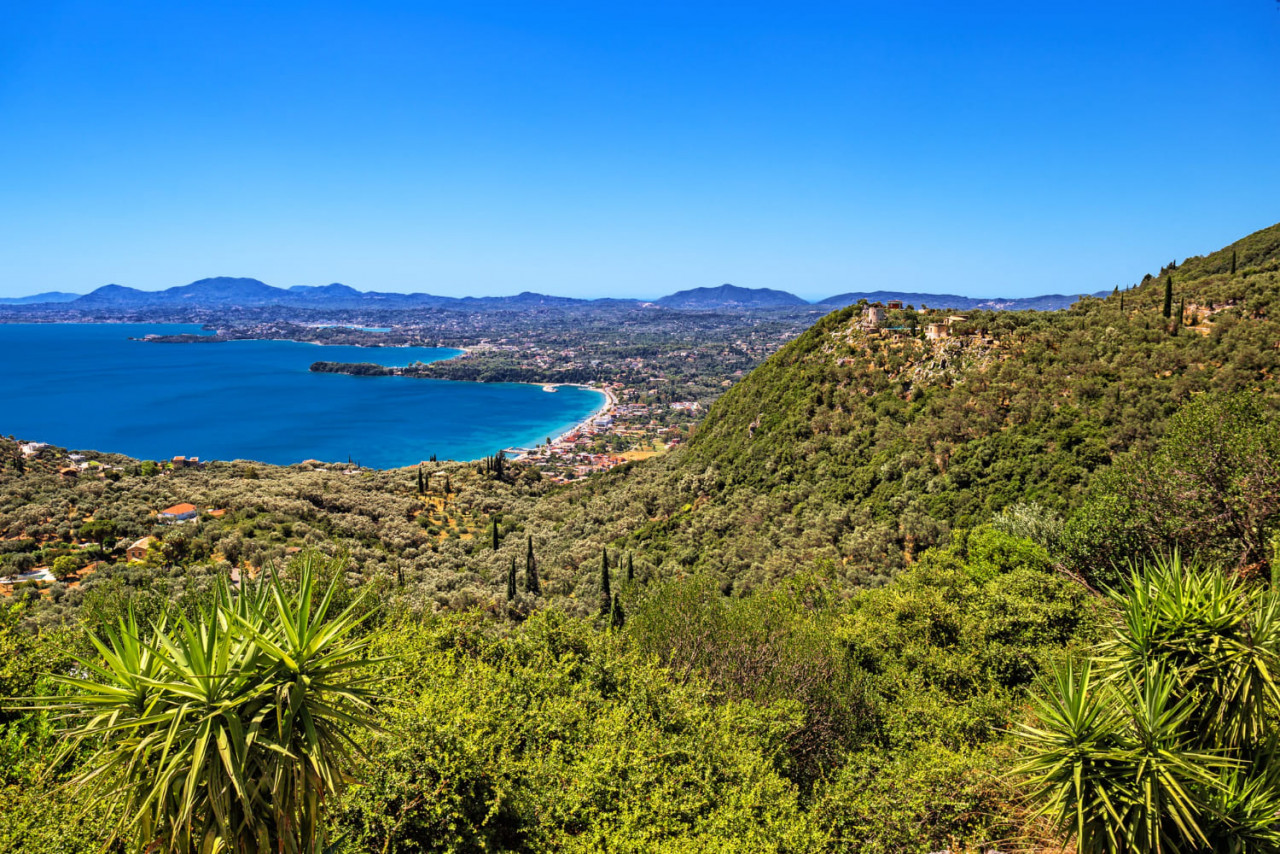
x=606 y=592
x=511 y=580
x=1211 y=488
x=1167 y=311
x=531 y=582
x=495 y=465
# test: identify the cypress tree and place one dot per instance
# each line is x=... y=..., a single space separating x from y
x=448 y=486
x=1233 y=262
x=422 y=488
x=606 y=595
x=1168 y=297
x=616 y=616
x=531 y=582
x=495 y=533
x=1122 y=302
x=511 y=580
x=631 y=569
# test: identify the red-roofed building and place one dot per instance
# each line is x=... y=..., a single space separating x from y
x=178 y=513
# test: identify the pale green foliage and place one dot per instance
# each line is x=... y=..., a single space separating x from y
x=557 y=737
x=916 y=799
x=991 y=551
x=227 y=731
x=1030 y=521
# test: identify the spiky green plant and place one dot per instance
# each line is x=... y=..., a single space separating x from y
x=1167 y=739
x=226 y=731
x=1220 y=638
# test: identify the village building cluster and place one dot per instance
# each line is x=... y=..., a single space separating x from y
x=936 y=324
x=622 y=432
x=71 y=466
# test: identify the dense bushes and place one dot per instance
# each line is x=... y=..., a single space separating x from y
x=561 y=738
x=1211 y=488
x=794 y=720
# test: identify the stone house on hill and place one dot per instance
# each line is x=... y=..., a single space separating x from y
x=138 y=551
x=872 y=315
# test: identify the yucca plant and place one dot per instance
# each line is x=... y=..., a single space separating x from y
x=226 y=731
x=1165 y=740
x=1219 y=637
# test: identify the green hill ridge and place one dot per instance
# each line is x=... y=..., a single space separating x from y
x=863 y=447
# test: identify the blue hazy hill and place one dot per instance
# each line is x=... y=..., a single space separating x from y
x=221 y=292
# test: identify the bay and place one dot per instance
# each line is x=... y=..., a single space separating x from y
x=90 y=387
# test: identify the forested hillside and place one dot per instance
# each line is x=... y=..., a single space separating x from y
x=862 y=448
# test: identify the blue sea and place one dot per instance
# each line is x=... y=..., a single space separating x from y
x=90 y=387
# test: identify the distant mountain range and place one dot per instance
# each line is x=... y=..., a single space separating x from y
x=229 y=292
x=47 y=297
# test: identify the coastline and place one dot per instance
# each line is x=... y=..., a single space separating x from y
x=610 y=400
x=402 y=413
x=606 y=408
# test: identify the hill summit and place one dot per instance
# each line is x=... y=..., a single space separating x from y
x=731 y=296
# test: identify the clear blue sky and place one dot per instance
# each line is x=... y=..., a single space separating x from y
x=632 y=148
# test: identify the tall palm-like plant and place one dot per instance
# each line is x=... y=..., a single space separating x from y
x=1167 y=739
x=226 y=731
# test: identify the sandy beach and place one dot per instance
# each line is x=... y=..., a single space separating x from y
x=606 y=408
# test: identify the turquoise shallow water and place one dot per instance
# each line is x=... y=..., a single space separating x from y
x=87 y=386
